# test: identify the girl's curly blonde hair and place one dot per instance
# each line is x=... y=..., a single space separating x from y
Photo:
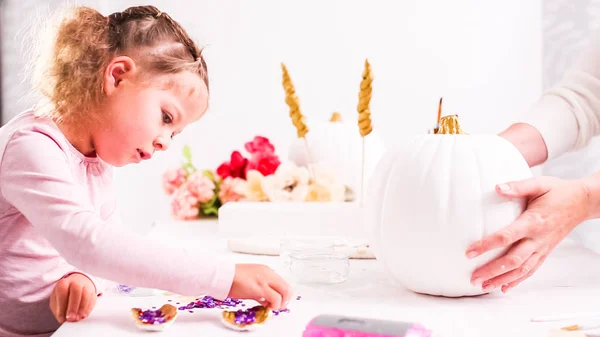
x=70 y=74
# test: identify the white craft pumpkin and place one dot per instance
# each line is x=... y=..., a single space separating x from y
x=432 y=197
x=339 y=144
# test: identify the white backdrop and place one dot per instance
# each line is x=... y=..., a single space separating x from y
x=484 y=57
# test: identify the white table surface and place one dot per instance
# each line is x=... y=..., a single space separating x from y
x=569 y=282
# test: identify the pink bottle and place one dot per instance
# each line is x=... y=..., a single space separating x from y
x=343 y=326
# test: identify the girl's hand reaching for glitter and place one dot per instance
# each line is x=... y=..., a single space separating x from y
x=260 y=283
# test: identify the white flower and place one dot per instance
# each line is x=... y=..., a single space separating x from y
x=288 y=183
x=326 y=178
x=252 y=189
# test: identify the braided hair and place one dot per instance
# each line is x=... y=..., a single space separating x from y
x=71 y=77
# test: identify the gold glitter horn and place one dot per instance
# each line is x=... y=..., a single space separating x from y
x=364 y=116
x=291 y=99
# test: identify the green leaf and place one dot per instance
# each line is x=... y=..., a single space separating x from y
x=209 y=175
x=210 y=211
x=187 y=153
x=188 y=166
x=211 y=208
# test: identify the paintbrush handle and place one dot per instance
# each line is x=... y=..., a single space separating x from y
x=564 y=317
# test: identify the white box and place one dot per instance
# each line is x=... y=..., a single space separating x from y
x=284 y=219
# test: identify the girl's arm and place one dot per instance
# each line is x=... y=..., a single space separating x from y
x=36 y=178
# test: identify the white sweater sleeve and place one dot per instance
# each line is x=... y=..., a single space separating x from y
x=568 y=114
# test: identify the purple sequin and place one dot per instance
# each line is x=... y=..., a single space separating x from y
x=243 y=317
x=125 y=289
x=277 y=312
x=208 y=302
x=151 y=316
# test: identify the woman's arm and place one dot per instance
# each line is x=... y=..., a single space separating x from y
x=592 y=189
x=528 y=141
x=566 y=116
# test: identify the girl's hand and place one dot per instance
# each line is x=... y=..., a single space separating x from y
x=554 y=208
x=73 y=298
x=260 y=283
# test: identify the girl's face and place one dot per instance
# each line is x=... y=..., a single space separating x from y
x=141 y=118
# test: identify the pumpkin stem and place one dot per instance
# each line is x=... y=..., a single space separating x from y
x=439 y=112
x=449 y=125
x=335 y=117
x=439 y=116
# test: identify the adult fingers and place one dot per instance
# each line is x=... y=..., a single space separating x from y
x=513 y=259
x=513 y=275
x=531 y=187
x=515 y=283
x=517 y=230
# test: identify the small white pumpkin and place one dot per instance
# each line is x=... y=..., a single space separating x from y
x=339 y=145
x=432 y=197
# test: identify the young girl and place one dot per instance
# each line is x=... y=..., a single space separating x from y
x=118 y=89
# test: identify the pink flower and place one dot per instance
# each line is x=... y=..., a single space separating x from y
x=230 y=189
x=259 y=144
x=200 y=186
x=184 y=205
x=172 y=179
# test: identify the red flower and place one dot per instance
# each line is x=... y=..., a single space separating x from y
x=259 y=144
x=236 y=168
x=264 y=162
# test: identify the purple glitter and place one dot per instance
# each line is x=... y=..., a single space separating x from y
x=208 y=302
x=125 y=288
x=151 y=316
x=298 y=298
x=277 y=312
x=243 y=317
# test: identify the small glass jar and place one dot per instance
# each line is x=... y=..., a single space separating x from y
x=290 y=246
x=319 y=267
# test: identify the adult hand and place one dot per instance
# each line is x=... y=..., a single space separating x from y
x=554 y=208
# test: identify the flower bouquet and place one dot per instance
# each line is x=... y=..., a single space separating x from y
x=258 y=227
x=258 y=175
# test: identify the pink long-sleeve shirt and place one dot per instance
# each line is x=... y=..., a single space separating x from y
x=58 y=216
